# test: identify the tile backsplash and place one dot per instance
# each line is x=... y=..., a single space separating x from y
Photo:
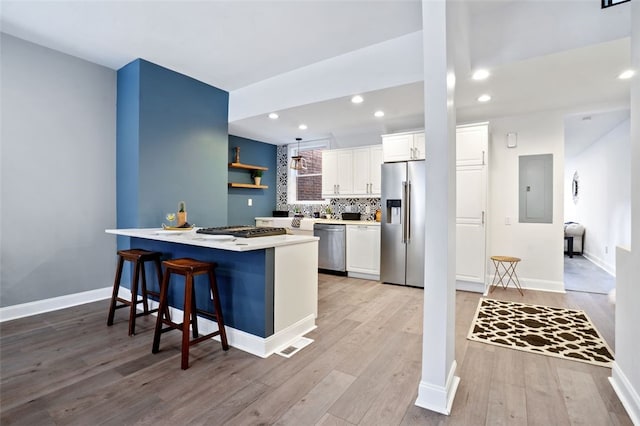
x=338 y=205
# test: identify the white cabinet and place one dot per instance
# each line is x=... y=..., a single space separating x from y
x=367 y=162
x=352 y=172
x=363 y=251
x=472 y=145
x=403 y=147
x=337 y=172
x=471 y=206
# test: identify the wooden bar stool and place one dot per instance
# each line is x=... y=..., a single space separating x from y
x=189 y=268
x=508 y=264
x=138 y=257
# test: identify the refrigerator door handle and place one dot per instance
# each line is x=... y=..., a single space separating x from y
x=404 y=211
x=408 y=210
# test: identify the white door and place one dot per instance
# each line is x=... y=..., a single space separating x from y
x=471 y=145
x=361 y=179
x=363 y=249
x=419 y=151
x=471 y=223
x=329 y=173
x=375 y=170
x=397 y=147
x=344 y=172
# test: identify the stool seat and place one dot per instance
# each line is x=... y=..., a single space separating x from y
x=506 y=258
x=138 y=257
x=189 y=268
x=508 y=264
x=188 y=265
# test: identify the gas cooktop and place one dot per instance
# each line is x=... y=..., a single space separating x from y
x=243 y=231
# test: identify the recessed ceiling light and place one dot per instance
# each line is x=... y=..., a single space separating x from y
x=379 y=113
x=357 y=99
x=484 y=98
x=626 y=74
x=480 y=74
x=302 y=127
x=273 y=116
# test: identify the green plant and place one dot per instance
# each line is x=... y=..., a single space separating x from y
x=328 y=210
x=256 y=173
x=182 y=207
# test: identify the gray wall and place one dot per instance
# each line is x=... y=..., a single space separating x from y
x=57 y=174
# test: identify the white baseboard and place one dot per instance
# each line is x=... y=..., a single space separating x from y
x=626 y=393
x=611 y=270
x=535 y=284
x=472 y=286
x=53 y=304
x=438 y=398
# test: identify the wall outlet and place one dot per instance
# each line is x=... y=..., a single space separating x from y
x=507 y=220
x=367 y=209
x=249 y=202
x=606 y=249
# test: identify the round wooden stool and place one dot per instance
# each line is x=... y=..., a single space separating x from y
x=138 y=257
x=189 y=268
x=508 y=264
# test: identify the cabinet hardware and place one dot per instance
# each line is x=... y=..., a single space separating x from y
x=483 y=217
x=483 y=158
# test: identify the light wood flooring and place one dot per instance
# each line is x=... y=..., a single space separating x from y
x=68 y=367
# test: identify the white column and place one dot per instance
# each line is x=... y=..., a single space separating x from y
x=439 y=383
x=625 y=374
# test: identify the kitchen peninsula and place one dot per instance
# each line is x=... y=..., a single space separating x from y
x=268 y=285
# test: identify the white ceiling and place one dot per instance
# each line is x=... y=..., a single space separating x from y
x=238 y=44
x=582 y=130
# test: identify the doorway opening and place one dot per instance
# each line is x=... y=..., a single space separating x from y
x=597 y=197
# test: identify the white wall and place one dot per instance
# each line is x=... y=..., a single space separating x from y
x=57 y=173
x=626 y=369
x=539 y=245
x=604 y=205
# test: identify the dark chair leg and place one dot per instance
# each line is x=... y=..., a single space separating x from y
x=159 y=274
x=114 y=294
x=218 y=309
x=134 y=299
x=194 y=315
x=145 y=303
x=163 y=307
x=188 y=289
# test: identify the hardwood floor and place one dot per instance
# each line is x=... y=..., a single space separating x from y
x=68 y=367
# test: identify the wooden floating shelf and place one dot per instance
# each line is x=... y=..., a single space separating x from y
x=247 y=166
x=246 y=185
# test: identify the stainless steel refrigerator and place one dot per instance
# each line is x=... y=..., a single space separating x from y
x=403 y=218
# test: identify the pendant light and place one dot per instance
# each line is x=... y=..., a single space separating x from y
x=297 y=161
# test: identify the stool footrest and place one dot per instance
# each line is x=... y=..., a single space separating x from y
x=205 y=337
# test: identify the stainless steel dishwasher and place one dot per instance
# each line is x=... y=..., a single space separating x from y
x=331 y=247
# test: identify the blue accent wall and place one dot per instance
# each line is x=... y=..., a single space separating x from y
x=172 y=144
x=264 y=200
x=245 y=283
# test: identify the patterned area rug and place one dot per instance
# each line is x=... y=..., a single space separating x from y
x=558 y=332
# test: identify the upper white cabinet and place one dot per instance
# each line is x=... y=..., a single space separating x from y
x=367 y=162
x=403 y=147
x=337 y=172
x=352 y=172
x=472 y=143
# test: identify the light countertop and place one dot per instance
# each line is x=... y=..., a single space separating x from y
x=280 y=221
x=231 y=244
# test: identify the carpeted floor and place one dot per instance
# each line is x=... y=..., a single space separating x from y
x=580 y=274
x=558 y=332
